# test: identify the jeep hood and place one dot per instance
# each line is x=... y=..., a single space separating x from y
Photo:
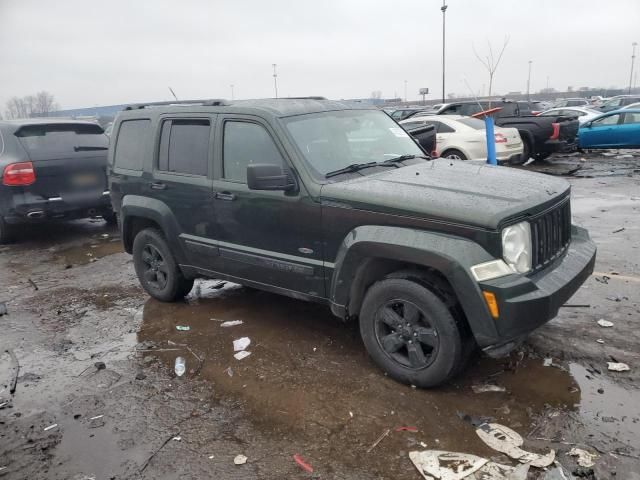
x=461 y=192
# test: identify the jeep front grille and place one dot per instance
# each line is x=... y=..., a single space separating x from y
x=550 y=235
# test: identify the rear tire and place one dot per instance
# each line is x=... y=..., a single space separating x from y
x=454 y=154
x=6 y=232
x=156 y=268
x=541 y=156
x=526 y=150
x=410 y=333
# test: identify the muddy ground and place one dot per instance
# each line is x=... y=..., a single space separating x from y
x=97 y=397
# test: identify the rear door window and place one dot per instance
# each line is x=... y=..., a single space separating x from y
x=130 y=144
x=51 y=141
x=184 y=146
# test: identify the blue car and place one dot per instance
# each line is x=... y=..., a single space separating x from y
x=618 y=129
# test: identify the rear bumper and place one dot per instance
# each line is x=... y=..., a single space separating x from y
x=27 y=207
x=560 y=146
x=526 y=303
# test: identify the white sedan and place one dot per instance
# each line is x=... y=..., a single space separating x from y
x=463 y=138
x=584 y=114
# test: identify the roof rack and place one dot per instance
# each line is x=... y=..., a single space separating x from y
x=303 y=98
x=216 y=102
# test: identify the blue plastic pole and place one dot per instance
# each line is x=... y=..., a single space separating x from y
x=491 y=141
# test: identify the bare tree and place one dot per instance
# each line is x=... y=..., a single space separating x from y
x=38 y=105
x=491 y=62
x=45 y=103
x=376 y=94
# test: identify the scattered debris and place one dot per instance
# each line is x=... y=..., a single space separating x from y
x=405 y=429
x=600 y=340
x=304 y=465
x=618 y=367
x=476 y=421
x=605 y=323
x=555 y=473
x=140 y=376
x=183 y=328
x=46 y=429
x=241 y=344
x=438 y=464
x=487 y=388
x=625 y=155
x=240 y=459
x=100 y=365
x=605 y=279
x=621 y=229
x=13 y=384
x=585 y=459
x=211 y=457
x=3 y=308
x=242 y=354
x=229 y=371
x=547 y=362
x=231 y=323
x=380 y=438
x=177 y=439
x=579 y=305
x=507 y=441
x=146 y=463
x=33 y=284
x=4 y=404
x=96 y=417
x=180 y=366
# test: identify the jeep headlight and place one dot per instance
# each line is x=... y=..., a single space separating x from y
x=516 y=246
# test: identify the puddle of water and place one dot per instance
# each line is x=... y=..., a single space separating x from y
x=615 y=412
x=308 y=376
x=90 y=251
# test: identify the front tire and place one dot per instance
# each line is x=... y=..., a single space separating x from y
x=410 y=333
x=156 y=268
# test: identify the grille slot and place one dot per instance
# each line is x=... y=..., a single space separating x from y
x=550 y=235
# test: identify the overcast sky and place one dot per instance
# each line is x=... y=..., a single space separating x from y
x=91 y=53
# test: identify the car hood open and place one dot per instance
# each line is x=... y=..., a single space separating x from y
x=464 y=192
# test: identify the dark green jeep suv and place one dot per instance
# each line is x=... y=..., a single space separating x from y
x=334 y=203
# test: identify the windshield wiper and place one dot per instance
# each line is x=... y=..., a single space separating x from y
x=402 y=158
x=85 y=148
x=354 y=167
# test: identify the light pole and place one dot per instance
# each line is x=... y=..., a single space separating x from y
x=232 y=91
x=633 y=60
x=275 y=79
x=444 y=9
x=405 y=91
x=529 y=83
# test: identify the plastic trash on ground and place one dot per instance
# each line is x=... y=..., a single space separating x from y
x=507 y=441
x=442 y=465
x=618 y=367
x=585 y=459
x=240 y=459
x=241 y=344
x=605 y=323
x=183 y=328
x=231 y=323
x=180 y=366
x=487 y=388
x=242 y=354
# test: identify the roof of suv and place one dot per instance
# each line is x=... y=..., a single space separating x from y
x=278 y=107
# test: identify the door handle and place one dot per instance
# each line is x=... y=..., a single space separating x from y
x=228 y=196
x=158 y=186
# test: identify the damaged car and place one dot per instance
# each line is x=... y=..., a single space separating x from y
x=335 y=203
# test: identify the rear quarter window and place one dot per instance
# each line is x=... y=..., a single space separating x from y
x=130 y=144
x=49 y=141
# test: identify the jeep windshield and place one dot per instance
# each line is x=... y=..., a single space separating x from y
x=348 y=141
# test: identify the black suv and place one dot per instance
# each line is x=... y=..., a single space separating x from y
x=52 y=169
x=337 y=204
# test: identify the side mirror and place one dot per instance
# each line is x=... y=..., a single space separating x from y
x=261 y=176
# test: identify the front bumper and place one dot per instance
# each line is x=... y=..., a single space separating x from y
x=527 y=302
x=28 y=207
